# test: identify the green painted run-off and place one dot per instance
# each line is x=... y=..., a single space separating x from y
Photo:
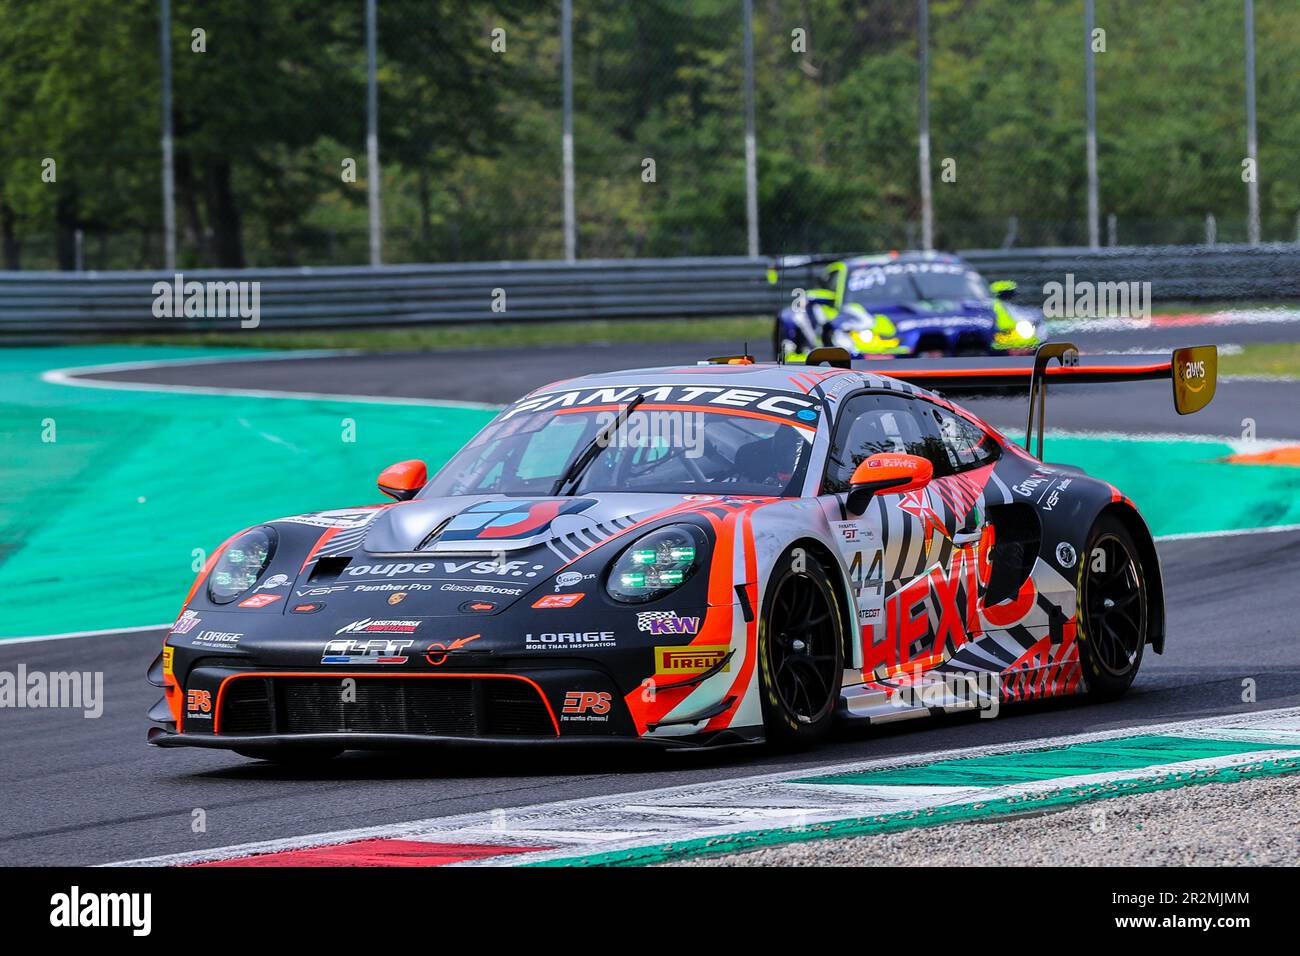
x=98 y=528
x=1076 y=760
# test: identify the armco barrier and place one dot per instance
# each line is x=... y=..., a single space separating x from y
x=69 y=305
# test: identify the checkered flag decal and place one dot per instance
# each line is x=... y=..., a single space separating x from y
x=645 y=619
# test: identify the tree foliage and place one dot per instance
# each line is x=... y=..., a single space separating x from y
x=269 y=113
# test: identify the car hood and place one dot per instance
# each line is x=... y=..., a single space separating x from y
x=910 y=316
x=494 y=523
x=447 y=556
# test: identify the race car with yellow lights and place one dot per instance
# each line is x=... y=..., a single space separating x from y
x=689 y=556
x=903 y=304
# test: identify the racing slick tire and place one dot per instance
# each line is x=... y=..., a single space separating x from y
x=297 y=757
x=800 y=652
x=1112 y=609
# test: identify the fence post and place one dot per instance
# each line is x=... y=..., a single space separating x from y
x=1090 y=82
x=751 y=142
x=372 y=135
x=1252 y=146
x=168 y=161
x=923 y=138
x=566 y=44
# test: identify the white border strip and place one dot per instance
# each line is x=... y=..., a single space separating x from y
x=72 y=377
x=485 y=820
x=6 y=641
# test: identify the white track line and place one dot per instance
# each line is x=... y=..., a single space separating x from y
x=73 y=377
x=5 y=641
x=414 y=827
x=1193 y=535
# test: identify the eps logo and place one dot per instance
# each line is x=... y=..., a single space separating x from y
x=587 y=702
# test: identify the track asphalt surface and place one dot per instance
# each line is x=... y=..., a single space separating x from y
x=85 y=791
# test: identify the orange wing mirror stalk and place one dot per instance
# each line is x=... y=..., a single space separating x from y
x=404 y=479
x=887 y=472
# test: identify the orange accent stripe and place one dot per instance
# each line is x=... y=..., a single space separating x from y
x=527 y=680
x=738 y=686
x=1286 y=455
x=1054 y=371
x=320 y=543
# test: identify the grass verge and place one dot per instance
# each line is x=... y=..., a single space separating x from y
x=1278 y=359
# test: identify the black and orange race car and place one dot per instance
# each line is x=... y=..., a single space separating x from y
x=688 y=556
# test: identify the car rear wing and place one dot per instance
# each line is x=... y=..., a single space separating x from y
x=1193 y=372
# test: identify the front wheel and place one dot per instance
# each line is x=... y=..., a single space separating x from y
x=1112 y=609
x=800 y=652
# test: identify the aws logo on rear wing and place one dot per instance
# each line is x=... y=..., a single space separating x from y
x=790 y=405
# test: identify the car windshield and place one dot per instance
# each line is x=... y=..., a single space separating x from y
x=660 y=447
x=913 y=282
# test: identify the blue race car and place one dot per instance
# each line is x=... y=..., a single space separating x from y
x=905 y=304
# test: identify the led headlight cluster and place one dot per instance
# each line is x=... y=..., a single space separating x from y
x=658 y=563
x=241 y=564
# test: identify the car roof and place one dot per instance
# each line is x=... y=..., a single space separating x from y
x=767 y=375
x=885 y=259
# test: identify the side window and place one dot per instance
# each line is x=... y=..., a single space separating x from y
x=875 y=422
x=965 y=444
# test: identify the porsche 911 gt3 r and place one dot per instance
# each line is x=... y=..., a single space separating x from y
x=905 y=304
x=685 y=556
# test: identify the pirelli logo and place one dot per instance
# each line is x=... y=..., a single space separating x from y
x=692 y=659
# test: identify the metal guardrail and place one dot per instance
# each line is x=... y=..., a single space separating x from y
x=71 y=304
x=58 y=302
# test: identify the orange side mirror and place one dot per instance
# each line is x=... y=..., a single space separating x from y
x=404 y=479
x=887 y=472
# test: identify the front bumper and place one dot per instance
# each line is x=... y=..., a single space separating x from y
x=291 y=743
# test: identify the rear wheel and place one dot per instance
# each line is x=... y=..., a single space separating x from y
x=801 y=652
x=1112 y=609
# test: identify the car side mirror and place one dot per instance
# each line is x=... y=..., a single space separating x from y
x=1003 y=289
x=404 y=480
x=887 y=473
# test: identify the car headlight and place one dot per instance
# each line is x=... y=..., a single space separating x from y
x=656 y=564
x=241 y=564
x=1025 y=329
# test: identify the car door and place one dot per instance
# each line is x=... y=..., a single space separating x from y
x=889 y=548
